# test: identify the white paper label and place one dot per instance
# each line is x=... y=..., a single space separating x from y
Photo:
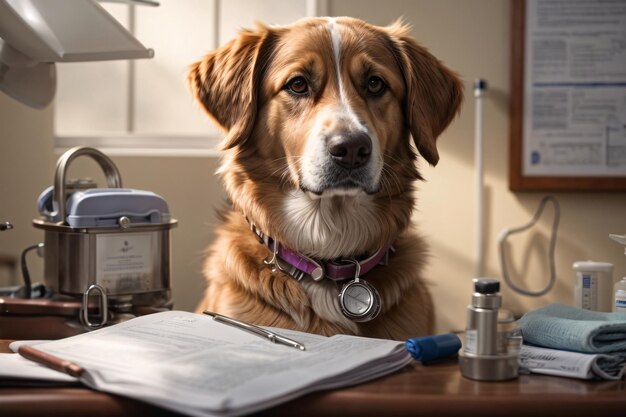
x=471 y=341
x=123 y=261
x=620 y=301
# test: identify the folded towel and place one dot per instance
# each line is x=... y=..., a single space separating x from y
x=572 y=364
x=559 y=326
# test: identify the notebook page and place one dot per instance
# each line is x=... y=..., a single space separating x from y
x=185 y=360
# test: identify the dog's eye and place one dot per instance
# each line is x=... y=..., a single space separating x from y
x=375 y=85
x=297 y=85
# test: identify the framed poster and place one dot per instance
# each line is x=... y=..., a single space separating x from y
x=568 y=96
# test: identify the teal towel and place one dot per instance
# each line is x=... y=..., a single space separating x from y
x=558 y=326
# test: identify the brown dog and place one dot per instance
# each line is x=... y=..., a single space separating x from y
x=318 y=163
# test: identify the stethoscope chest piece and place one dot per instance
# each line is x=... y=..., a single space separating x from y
x=359 y=301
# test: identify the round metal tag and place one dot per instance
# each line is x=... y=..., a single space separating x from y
x=359 y=301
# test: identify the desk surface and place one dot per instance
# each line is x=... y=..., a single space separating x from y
x=437 y=389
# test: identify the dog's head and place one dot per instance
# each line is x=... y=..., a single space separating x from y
x=319 y=116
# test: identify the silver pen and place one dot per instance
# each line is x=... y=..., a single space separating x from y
x=259 y=331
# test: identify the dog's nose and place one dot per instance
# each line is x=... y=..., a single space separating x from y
x=351 y=150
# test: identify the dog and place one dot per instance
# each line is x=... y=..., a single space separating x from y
x=320 y=171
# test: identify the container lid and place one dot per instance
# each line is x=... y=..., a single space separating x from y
x=591 y=266
x=619 y=239
x=103 y=207
x=486 y=285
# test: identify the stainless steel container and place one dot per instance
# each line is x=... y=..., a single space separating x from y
x=488 y=354
x=126 y=261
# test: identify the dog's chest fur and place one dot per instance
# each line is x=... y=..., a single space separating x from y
x=337 y=226
x=249 y=290
x=324 y=302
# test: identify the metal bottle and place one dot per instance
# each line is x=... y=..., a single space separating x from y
x=487 y=354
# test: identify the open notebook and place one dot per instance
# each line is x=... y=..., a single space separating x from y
x=192 y=364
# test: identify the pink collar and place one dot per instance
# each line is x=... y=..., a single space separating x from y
x=298 y=266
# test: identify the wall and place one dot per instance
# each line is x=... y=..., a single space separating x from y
x=472 y=37
x=26 y=166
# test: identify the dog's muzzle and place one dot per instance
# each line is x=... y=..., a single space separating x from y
x=342 y=162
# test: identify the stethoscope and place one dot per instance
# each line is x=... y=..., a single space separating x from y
x=359 y=301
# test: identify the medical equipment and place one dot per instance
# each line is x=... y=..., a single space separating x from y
x=480 y=89
x=359 y=301
x=488 y=354
x=594 y=284
x=34 y=34
x=619 y=295
x=111 y=242
x=433 y=348
x=505 y=233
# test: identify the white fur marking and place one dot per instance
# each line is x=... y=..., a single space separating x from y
x=336 y=42
x=316 y=162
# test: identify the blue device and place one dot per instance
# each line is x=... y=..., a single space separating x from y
x=432 y=348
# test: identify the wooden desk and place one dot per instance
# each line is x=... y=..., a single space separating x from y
x=418 y=390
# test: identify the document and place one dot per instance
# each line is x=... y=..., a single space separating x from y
x=192 y=364
x=575 y=88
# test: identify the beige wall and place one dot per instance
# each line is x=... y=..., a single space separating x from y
x=26 y=164
x=472 y=37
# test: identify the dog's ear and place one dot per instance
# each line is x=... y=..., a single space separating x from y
x=226 y=82
x=434 y=93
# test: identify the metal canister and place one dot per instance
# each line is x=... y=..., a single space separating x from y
x=487 y=354
x=125 y=263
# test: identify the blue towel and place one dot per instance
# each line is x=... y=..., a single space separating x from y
x=558 y=326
